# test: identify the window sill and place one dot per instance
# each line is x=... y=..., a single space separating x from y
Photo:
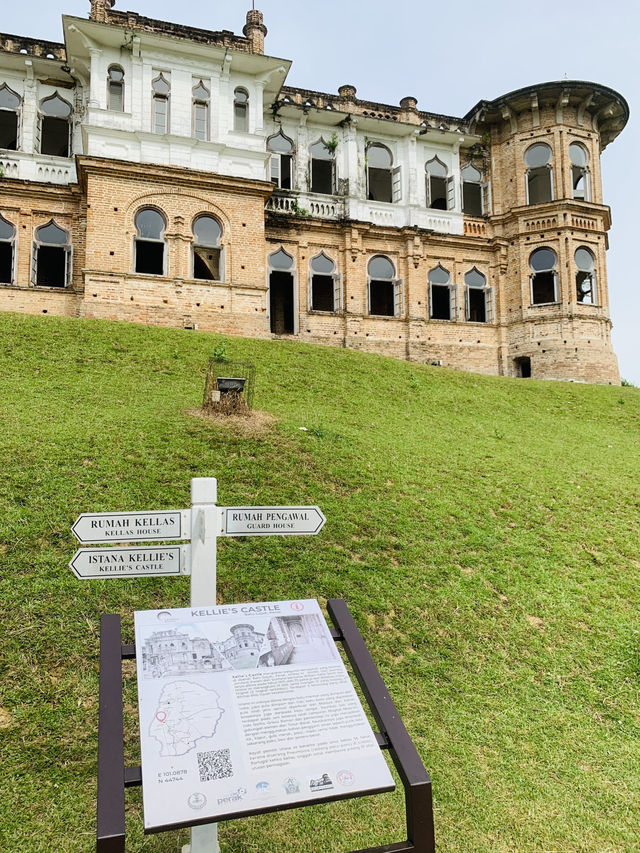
x=333 y=313
x=383 y=316
x=544 y=304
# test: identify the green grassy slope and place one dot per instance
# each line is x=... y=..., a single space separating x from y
x=483 y=531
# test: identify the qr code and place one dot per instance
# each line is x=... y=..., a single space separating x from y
x=215 y=765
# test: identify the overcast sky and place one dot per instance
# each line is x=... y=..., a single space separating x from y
x=449 y=56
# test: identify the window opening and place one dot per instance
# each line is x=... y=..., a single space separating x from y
x=115 y=88
x=51 y=256
x=539 y=173
x=281 y=294
x=149 y=242
x=7 y=238
x=55 y=127
x=544 y=277
x=201 y=111
x=440 y=294
x=161 y=90
x=585 y=277
x=385 y=290
x=207 y=252
x=281 y=161
x=477 y=296
x=241 y=110
x=579 y=172
x=322 y=168
x=325 y=284
x=523 y=367
x=472 y=191
x=9 y=116
x=439 y=185
x=382 y=183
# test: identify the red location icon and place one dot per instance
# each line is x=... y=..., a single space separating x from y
x=161 y=716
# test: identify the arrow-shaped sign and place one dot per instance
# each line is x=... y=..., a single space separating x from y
x=98 y=527
x=91 y=563
x=271 y=520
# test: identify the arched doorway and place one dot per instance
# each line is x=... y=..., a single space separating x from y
x=281 y=293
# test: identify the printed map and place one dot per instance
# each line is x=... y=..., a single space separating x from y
x=186 y=713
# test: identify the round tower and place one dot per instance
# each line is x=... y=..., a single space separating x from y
x=255 y=30
x=100 y=10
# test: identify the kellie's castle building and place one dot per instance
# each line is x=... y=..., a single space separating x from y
x=168 y=175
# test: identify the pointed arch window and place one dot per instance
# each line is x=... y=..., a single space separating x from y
x=586 y=292
x=325 y=284
x=7 y=251
x=544 y=276
x=10 y=103
x=207 y=251
x=281 y=160
x=115 y=89
x=51 y=258
x=384 y=182
x=200 y=109
x=580 y=184
x=478 y=298
x=55 y=126
x=439 y=185
x=322 y=169
x=475 y=192
x=441 y=294
x=149 y=247
x=241 y=110
x=537 y=158
x=161 y=89
x=384 y=288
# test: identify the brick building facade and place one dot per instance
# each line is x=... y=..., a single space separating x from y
x=167 y=175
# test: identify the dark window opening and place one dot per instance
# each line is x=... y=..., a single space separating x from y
x=539 y=183
x=440 y=302
x=380 y=188
x=55 y=136
x=51 y=266
x=281 y=171
x=149 y=257
x=477 y=305
x=585 y=288
x=322 y=176
x=381 y=302
x=472 y=199
x=322 y=291
x=578 y=179
x=206 y=263
x=6 y=263
x=8 y=130
x=523 y=367
x=438 y=192
x=281 y=302
x=543 y=288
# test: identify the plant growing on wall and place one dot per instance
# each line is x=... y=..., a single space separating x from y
x=332 y=144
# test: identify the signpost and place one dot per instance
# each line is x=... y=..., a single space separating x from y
x=102 y=527
x=272 y=520
x=130 y=562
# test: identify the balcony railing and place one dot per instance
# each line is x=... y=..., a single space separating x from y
x=306 y=204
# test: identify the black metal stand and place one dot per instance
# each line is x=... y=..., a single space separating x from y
x=114 y=777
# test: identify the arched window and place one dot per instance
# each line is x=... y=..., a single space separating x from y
x=200 y=119
x=9 y=118
x=207 y=253
x=7 y=250
x=55 y=126
x=281 y=161
x=241 y=110
x=324 y=284
x=477 y=297
x=149 y=242
x=537 y=158
x=322 y=172
x=282 y=301
x=440 y=186
x=161 y=89
x=441 y=293
x=585 y=277
x=384 y=182
x=544 y=276
x=580 y=188
x=473 y=203
x=385 y=290
x=51 y=265
x=115 y=89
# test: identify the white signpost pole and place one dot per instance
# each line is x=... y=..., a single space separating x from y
x=205 y=528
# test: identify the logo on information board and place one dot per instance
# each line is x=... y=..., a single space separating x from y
x=233 y=797
x=297 y=605
x=164 y=616
x=345 y=777
x=197 y=801
x=262 y=787
x=291 y=785
x=321 y=784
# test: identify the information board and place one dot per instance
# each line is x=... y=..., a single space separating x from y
x=247 y=708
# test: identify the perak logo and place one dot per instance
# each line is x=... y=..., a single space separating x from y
x=233 y=797
x=346 y=778
x=324 y=783
x=197 y=801
x=262 y=787
x=297 y=605
x=291 y=785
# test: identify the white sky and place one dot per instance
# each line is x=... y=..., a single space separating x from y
x=448 y=56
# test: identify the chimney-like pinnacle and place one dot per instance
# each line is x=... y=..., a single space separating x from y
x=255 y=30
x=100 y=10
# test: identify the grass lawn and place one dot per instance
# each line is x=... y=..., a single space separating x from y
x=484 y=532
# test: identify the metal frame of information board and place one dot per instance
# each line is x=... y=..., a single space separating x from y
x=114 y=777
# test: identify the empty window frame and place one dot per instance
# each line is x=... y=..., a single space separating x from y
x=149 y=244
x=51 y=259
x=115 y=89
x=586 y=292
x=384 y=288
x=207 y=252
x=544 y=276
x=55 y=126
x=322 y=168
x=7 y=251
x=476 y=193
x=9 y=118
x=440 y=188
x=161 y=91
x=537 y=158
x=325 y=284
x=281 y=161
x=384 y=182
x=241 y=110
x=477 y=297
x=200 y=111
x=580 y=183
x=441 y=294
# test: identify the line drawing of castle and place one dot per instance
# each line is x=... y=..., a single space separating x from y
x=174 y=652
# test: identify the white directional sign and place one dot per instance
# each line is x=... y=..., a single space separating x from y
x=271 y=520
x=97 y=527
x=91 y=563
